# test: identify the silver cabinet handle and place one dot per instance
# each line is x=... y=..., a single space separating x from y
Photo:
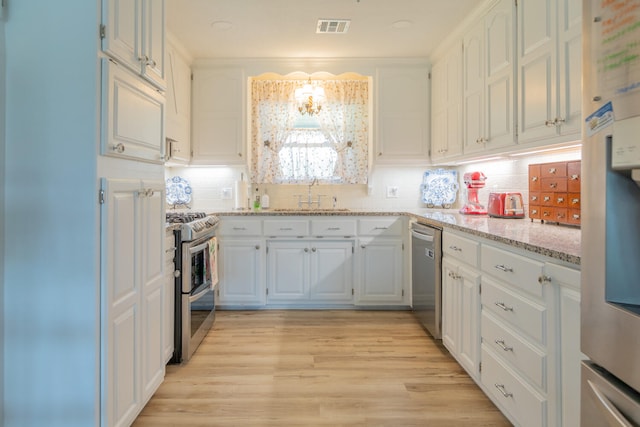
x=503 y=345
x=257 y=247
x=286 y=228
x=575 y=201
x=313 y=249
x=381 y=228
x=575 y=177
x=119 y=148
x=455 y=248
x=454 y=275
x=552 y=170
x=239 y=228
x=363 y=246
x=544 y=279
x=333 y=228
x=504 y=268
x=503 y=306
x=306 y=249
x=503 y=390
x=534 y=178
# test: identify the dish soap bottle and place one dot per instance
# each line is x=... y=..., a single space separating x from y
x=264 y=201
x=256 y=201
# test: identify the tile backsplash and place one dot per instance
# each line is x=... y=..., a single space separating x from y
x=389 y=187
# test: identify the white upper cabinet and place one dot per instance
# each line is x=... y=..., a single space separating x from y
x=402 y=114
x=218 y=116
x=488 y=81
x=446 y=105
x=178 y=117
x=549 y=55
x=132 y=116
x=133 y=33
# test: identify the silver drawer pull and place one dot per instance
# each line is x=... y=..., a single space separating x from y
x=502 y=390
x=575 y=201
x=503 y=306
x=381 y=228
x=544 y=279
x=575 y=177
x=503 y=268
x=239 y=228
x=503 y=346
x=333 y=228
x=455 y=248
x=552 y=170
x=454 y=275
x=286 y=228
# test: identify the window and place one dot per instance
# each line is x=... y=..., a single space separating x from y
x=330 y=146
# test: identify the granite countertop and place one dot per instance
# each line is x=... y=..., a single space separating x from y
x=555 y=241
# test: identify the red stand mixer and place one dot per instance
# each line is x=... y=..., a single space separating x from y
x=473 y=181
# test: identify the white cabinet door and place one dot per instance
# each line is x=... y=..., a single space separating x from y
x=152 y=222
x=461 y=313
x=402 y=132
x=446 y=106
x=132 y=236
x=121 y=315
x=288 y=272
x=549 y=70
x=218 y=132
x=473 y=88
x=380 y=271
x=133 y=34
x=132 y=116
x=331 y=272
x=169 y=295
x=241 y=272
x=178 y=117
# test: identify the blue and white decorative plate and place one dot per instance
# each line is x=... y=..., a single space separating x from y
x=440 y=187
x=178 y=191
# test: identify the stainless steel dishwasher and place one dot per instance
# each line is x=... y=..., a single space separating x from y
x=426 y=273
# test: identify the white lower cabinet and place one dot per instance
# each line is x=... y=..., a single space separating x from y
x=380 y=271
x=519 y=336
x=241 y=272
x=310 y=272
x=169 y=294
x=132 y=234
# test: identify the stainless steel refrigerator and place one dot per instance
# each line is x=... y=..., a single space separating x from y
x=610 y=308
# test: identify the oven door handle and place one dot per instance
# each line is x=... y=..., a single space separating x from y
x=420 y=236
x=197 y=296
x=201 y=247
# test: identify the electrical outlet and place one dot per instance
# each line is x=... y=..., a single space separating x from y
x=392 y=192
x=227 y=193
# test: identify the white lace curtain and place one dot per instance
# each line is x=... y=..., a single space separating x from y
x=334 y=152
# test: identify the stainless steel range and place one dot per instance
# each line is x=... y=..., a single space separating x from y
x=196 y=264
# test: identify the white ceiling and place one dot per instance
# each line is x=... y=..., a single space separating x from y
x=287 y=28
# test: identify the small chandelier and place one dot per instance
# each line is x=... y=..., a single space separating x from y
x=309 y=99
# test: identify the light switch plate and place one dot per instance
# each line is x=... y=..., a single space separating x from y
x=227 y=193
x=392 y=192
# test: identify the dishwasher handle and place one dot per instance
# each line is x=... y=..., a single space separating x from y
x=420 y=236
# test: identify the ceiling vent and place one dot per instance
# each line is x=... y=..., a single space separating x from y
x=333 y=26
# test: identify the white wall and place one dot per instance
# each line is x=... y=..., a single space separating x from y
x=51 y=259
x=510 y=174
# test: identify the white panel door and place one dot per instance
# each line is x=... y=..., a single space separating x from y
x=450 y=305
x=570 y=66
x=121 y=372
x=331 y=271
x=469 y=312
x=153 y=42
x=123 y=31
x=240 y=272
x=288 y=272
x=152 y=223
x=381 y=271
x=474 y=89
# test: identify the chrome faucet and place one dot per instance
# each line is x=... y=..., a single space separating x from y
x=310 y=202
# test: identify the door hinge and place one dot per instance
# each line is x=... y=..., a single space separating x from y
x=103 y=31
x=101 y=197
x=480 y=367
x=353 y=292
x=403 y=246
x=429 y=76
x=353 y=249
x=267 y=249
x=403 y=292
x=267 y=291
x=480 y=289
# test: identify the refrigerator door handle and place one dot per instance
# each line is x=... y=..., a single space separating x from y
x=613 y=416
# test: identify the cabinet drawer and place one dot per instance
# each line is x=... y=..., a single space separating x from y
x=333 y=227
x=461 y=248
x=515 y=349
x=287 y=228
x=546 y=199
x=534 y=212
x=380 y=226
x=534 y=177
x=573 y=216
x=554 y=184
x=516 y=270
x=522 y=314
x=240 y=227
x=573 y=176
x=534 y=198
x=526 y=406
x=553 y=169
x=573 y=200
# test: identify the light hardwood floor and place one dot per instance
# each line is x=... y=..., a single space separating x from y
x=319 y=368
